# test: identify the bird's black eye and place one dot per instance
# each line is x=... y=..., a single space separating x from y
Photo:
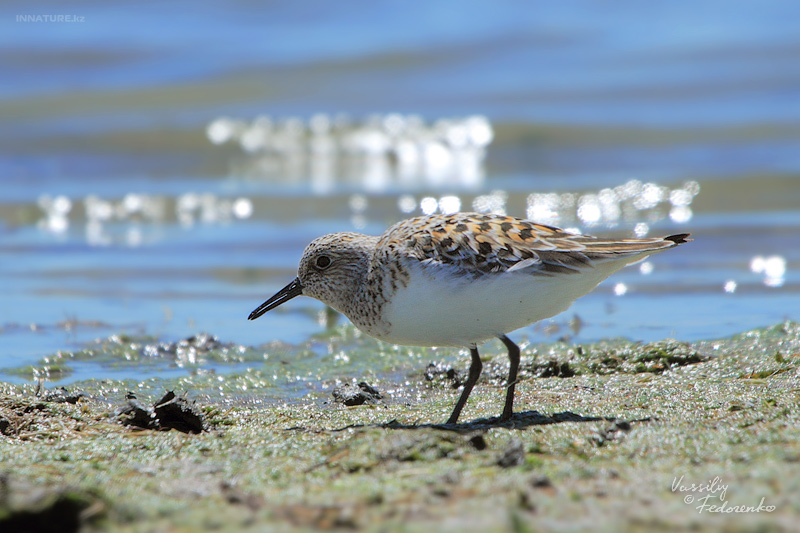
x=323 y=262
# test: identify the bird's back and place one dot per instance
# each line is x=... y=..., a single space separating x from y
x=479 y=244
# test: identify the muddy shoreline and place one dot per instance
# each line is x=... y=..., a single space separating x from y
x=607 y=436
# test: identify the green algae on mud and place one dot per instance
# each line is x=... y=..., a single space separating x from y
x=631 y=438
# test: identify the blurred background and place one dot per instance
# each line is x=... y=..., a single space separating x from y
x=163 y=165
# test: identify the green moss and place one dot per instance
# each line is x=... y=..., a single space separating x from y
x=276 y=459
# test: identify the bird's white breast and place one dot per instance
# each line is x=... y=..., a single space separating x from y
x=437 y=308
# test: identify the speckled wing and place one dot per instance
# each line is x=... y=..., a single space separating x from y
x=482 y=243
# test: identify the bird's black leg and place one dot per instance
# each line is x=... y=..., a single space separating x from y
x=475 y=368
x=513 y=356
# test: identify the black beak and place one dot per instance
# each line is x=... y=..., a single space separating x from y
x=293 y=289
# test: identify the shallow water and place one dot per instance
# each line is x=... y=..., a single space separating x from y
x=119 y=214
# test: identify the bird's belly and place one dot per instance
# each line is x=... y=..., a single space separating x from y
x=440 y=310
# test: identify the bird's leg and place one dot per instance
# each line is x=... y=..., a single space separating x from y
x=513 y=356
x=475 y=368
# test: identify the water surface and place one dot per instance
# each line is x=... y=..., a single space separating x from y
x=122 y=212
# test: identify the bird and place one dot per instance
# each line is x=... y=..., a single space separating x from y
x=459 y=280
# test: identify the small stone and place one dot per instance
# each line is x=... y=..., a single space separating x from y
x=513 y=455
x=175 y=412
x=437 y=372
x=478 y=442
x=361 y=394
x=136 y=414
x=541 y=481
x=62 y=395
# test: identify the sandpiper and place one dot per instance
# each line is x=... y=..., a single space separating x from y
x=458 y=280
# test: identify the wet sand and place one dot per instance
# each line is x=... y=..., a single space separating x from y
x=609 y=436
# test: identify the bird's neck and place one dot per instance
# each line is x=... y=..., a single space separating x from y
x=366 y=294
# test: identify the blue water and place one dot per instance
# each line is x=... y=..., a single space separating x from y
x=582 y=96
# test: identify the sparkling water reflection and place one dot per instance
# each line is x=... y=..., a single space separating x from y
x=381 y=152
x=132 y=205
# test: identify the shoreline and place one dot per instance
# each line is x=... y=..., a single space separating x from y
x=598 y=441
